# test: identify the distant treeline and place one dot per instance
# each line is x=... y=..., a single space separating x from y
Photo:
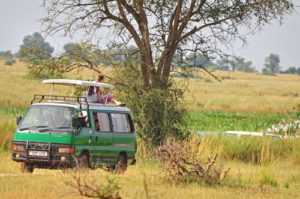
x=9 y=57
x=35 y=50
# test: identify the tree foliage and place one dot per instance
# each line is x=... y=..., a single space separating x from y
x=8 y=57
x=158 y=113
x=271 y=65
x=6 y=54
x=292 y=70
x=35 y=49
x=245 y=66
x=159 y=28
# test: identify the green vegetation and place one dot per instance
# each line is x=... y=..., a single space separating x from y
x=158 y=113
x=251 y=149
x=8 y=125
x=232 y=121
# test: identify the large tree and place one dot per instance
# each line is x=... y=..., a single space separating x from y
x=159 y=28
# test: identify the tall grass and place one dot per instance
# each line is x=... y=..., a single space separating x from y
x=8 y=125
x=7 y=129
x=250 y=149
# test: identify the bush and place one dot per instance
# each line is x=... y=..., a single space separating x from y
x=159 y=113
x=10 y=62
x=92 y=189
x=182 y=161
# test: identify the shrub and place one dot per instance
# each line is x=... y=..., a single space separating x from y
x=181 y=161
x=159 y=113
x=10 y=62
x=92 y=189
x=267 y=178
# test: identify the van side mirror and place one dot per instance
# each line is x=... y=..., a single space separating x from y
x=78 y=122
x=19 y=118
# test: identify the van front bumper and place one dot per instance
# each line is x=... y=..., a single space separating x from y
x=42 y=154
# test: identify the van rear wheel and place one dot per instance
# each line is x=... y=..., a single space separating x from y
x=121 y=165
x=26 y=167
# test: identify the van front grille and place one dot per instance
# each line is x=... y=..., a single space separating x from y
x=38 y=146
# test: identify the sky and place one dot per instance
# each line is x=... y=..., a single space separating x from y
x=19 y=18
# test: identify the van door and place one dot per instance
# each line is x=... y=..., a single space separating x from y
x=102 y=145
x=83 y=139
x=124 y=138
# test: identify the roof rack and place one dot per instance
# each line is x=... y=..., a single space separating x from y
x=79 y=100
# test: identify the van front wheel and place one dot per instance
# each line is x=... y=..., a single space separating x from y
x=121 y=165
x=26 y=167
x=83 y=162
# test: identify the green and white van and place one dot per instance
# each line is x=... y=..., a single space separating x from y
x=66 y=131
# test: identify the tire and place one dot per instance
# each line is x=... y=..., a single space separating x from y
x=121 y=165
x=83 y=162
x=26 y=167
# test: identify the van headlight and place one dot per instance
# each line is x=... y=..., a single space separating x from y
x=18 y=147
x=65 y=150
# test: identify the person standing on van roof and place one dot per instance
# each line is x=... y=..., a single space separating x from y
x=90 y=96
x=107 y=97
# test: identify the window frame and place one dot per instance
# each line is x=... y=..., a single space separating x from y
x=94 y=124
x=129 y=122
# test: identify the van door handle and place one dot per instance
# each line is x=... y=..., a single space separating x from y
x=96 y=138
x=90 y=139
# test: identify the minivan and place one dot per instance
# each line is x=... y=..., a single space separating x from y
x=66 y=131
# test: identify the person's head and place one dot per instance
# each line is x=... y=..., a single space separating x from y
x=100 y=77
x=91 y=90
x=95 y=116
x=97 y=124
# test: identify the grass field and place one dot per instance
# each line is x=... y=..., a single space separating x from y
x=280 y=179
x=245 y=92
x=238 y=92
x=260 y=168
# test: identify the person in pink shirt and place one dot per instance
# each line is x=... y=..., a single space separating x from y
x=105 y=98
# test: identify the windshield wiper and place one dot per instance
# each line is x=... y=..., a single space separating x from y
x=40 y=126
x=23 y=129
x=63 y=127
x=44 y=130
x=27 y=128
x=54 y=128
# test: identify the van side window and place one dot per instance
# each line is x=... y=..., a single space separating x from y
x=120 y=123
x=101 y=121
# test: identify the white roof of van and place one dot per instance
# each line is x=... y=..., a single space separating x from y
x=71 y=82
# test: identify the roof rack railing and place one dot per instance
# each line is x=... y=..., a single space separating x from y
x=79 y=100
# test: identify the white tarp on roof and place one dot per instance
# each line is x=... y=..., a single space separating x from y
x=71 y=82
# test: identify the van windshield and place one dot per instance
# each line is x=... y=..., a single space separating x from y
x=44 y=118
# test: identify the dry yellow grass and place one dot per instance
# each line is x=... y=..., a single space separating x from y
x=244 y=92
x=238 y=91
x=17 y=89
x=144 y=181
